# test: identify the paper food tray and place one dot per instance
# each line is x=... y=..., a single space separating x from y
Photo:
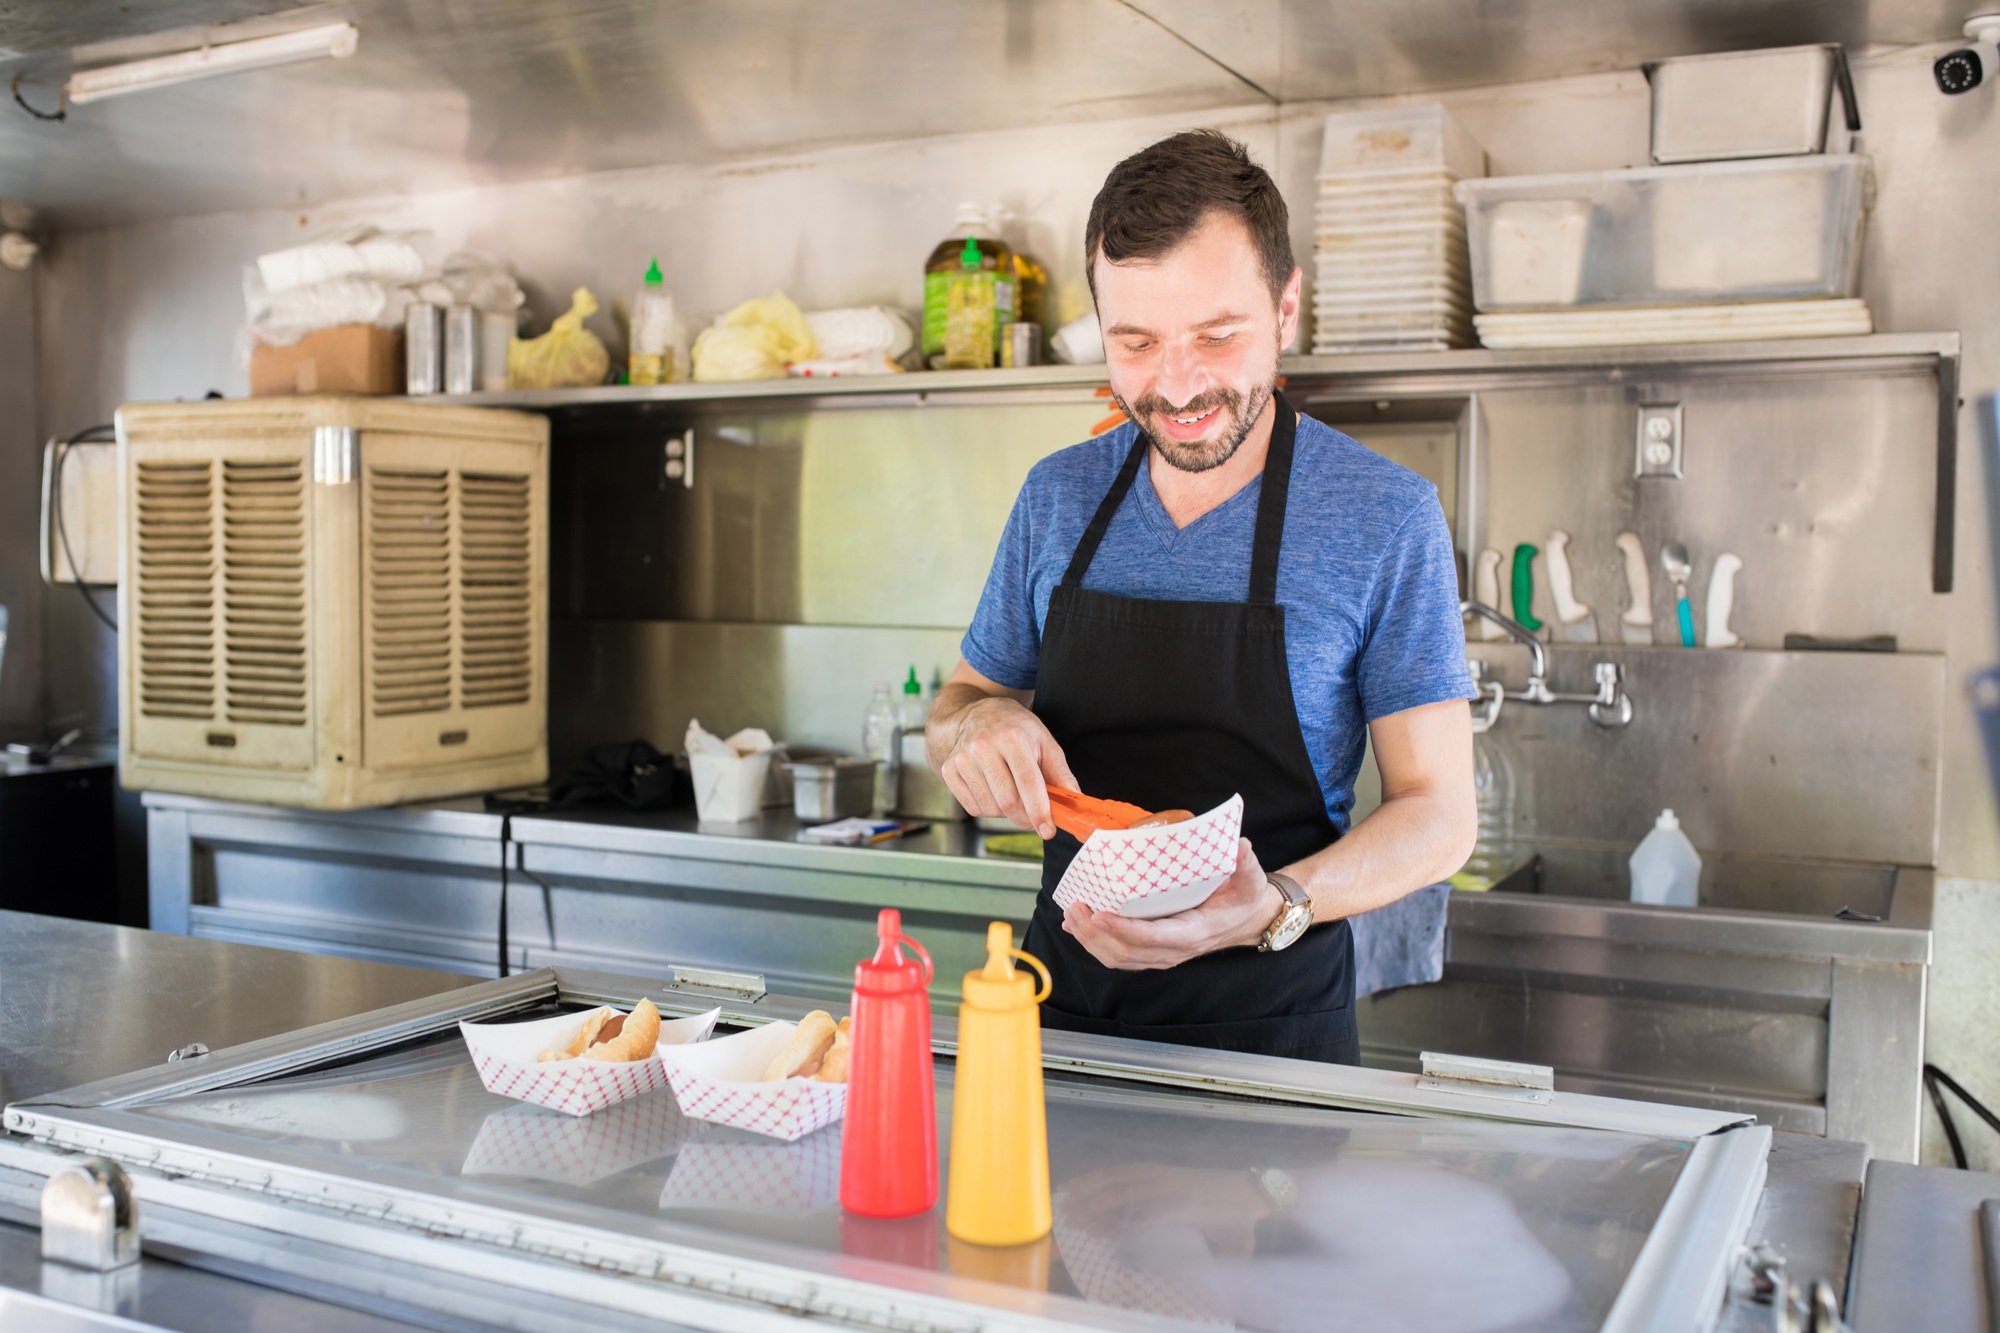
x=540 y=1144
x=1149 y=872
x=504 y=1054
x=723 y=1081
x=756 y=1175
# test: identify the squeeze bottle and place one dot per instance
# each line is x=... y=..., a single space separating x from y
x=1666 y=869
x=888 y=1152
x=999 y=1127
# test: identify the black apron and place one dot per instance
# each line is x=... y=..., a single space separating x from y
x=1180 y=704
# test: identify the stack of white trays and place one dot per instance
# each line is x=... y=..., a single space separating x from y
x=1389 y=236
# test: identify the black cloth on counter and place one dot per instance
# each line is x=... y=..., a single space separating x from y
x=631 y=774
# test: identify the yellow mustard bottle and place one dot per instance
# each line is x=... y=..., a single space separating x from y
x=999 y=1189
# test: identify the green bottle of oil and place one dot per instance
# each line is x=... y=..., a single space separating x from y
x=970 y=295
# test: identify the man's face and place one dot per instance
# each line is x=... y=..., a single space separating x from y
x=1192 y=340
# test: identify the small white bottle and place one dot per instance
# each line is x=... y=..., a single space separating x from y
x=880 y=740
x=1666 y=869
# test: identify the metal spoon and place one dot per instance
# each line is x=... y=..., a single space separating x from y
x=1674 y=560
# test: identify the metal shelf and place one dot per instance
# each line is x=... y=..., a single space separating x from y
x=1883 y=349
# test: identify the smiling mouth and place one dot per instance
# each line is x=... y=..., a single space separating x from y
x=1194 y=420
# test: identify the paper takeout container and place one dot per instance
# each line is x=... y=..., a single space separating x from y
x=504 y=1054
x=1149 y=872
x=723 y=1081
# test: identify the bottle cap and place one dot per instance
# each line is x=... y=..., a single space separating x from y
x=999 y=985
x=1667 y=820
x=910 y=686
x=653 y=278
x=890 y=970
x=970 y=257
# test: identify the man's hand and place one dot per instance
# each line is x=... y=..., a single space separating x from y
x=1237 y=913
x=994 y=754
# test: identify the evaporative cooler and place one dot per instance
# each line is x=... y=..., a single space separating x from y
x=332 y=602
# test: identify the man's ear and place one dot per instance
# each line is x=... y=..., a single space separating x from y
x=1288 y=309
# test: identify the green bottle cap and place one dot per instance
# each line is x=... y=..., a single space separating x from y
x=970 y=256
x=910 y=686
x=653 y=278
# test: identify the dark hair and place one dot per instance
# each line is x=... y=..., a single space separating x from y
x=1157 y=198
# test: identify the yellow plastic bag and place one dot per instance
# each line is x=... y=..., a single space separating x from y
x=755 y=341
x=567 y=356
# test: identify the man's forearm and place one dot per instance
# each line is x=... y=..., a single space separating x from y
x=1405 y=844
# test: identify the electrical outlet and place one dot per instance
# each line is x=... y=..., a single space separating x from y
x=1660 y=441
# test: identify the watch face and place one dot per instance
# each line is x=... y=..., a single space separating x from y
x=1293 y=925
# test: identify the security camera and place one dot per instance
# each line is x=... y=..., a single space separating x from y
x=1957 y=72
x=1961 y=71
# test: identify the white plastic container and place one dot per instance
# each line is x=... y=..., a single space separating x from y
x=1666 y=869
x=1737 y=104
x=1772 y=230
x=1407 y=138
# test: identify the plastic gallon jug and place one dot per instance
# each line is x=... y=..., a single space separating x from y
x=888 y=1151
x=1666 y=869
x=999 y=1126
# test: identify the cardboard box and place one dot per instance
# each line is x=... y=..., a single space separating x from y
x=354 y=358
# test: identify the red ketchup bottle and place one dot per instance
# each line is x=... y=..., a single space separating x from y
x=888 y=1149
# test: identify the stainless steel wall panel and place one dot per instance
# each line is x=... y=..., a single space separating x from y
x=1875 y=1077
x=614 y=679
x=1826 y=756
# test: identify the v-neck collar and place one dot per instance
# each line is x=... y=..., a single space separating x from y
x=1160 y=523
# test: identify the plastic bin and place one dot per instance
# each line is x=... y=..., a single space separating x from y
x=1765 y=230
x=1415 y=139
x=1774 y=103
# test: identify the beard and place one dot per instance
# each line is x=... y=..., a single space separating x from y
x=1238 y=415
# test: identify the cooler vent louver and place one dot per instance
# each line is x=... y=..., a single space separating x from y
x=495 y=644
x=264 y=591
x=409 y=568
x=174 y=537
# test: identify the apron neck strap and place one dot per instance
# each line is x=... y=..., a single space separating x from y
x=1271 y=504
x=1270 y=507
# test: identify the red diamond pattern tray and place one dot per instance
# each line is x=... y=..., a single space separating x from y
x=504 y=1054
x=723 y=1081
x=1153 y=872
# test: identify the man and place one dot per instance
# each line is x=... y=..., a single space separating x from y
x=1217 y=597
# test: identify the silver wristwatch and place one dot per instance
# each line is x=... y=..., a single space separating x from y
x=1292 y=918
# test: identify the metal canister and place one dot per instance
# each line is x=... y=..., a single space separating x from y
x=461 y=349
x=423 y=348
x=1024 y=344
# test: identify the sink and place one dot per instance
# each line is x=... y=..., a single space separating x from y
x=1789 y=886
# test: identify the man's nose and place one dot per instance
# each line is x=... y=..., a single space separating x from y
x=1182 y=376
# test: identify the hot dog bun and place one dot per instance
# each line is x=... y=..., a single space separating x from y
x=833 y=1069
x=1162 y=818
x=593 y=1022
x=636 y=1037
x=807 y=1048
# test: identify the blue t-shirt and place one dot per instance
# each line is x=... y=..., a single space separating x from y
x=1365 y=575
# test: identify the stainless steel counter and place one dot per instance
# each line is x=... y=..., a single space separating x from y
x=1812 y=1022
x=81 y=1002
x=160 y=984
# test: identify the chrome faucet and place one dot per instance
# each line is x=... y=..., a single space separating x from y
x=1610 y=706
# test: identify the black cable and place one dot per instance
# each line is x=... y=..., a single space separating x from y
x=506 y=830
x=62 y=103
x=62 y=529
x=1933 y=1077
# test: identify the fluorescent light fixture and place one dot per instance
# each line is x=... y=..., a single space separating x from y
x=332 y=39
